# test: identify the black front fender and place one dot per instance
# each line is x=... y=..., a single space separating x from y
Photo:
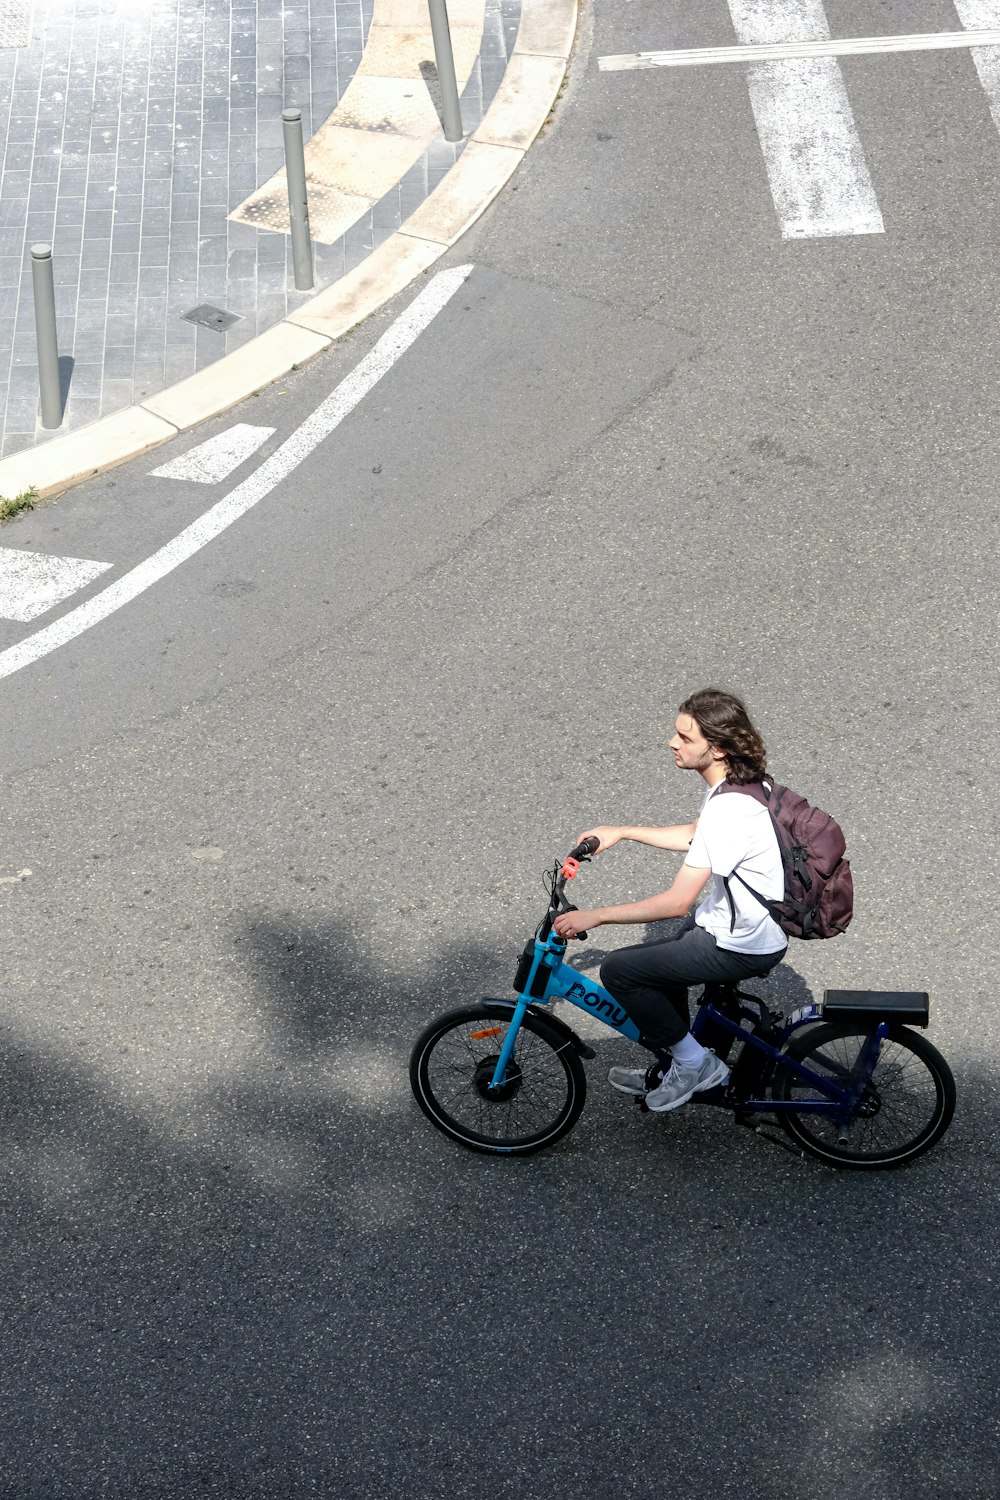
x=557 y=1029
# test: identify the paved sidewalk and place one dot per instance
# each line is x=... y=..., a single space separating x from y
x=132 y=129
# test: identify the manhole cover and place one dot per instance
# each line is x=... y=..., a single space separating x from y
x=211 y=317
x=15 y=23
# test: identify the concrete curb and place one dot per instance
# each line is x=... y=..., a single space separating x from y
x=519 y=109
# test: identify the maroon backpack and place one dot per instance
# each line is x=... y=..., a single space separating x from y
x=819 y=890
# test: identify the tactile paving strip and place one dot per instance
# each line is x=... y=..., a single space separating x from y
x=382 y=124
x=15 y=23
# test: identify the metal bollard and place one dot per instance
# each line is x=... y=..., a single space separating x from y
x=444 y=59
x=298 y=198
x=45 y=335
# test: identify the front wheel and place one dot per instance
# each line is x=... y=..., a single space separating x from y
x=454 y=1060
x=907 y=1104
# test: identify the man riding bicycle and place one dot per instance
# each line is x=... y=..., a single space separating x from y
x=729 y=937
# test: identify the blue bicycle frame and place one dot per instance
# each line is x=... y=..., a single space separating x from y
x=550 y=978
x=843 y=1099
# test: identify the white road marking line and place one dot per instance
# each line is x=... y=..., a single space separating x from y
x=32 y=582
x=858 y=46
x=215 y=460
x=327 y=416
x=975 y=16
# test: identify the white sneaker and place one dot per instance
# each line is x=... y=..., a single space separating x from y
x=683 y=1080
x=634 y=1080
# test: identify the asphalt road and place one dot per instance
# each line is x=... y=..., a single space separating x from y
x=296 y=799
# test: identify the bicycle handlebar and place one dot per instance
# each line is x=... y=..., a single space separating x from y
x=571 y=864
x=585 y=849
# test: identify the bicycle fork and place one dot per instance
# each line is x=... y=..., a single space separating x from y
x=510 y=1042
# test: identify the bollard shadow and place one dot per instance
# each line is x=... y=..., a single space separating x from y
x=429 y=73
x=66 y=367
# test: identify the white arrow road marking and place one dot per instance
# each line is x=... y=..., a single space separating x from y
x=974 y=16
x=327 y=416
x=848 y=46
x=812 y=152
x=216 y=459
x=31 y=582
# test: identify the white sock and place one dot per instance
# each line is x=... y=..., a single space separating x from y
x=687 y=1051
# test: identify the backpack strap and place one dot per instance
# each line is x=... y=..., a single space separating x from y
x=761 y=792
x=802 y=912
x=771 y=907
x=732 y=904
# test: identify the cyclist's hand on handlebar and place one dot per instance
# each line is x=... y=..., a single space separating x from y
x=572 y=924
x=606 y=836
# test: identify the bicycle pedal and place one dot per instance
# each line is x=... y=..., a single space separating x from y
x=639 y=1100
x=716 y=1095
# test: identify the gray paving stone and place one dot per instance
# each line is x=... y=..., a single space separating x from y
x=86 y=381
x=124 y=237
x=183 y=246
x=119 y=360
x=155 y=220
x=116 y=394
x=13 y=213
x=12 y=240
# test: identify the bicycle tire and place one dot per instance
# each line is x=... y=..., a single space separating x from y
x=453 y=1059
x=906 y=1108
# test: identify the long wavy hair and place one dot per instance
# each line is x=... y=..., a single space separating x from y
x=725 y=723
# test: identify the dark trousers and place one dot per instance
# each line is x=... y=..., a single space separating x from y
x=651 y=980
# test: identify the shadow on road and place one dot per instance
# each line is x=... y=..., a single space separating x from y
x=277 y=1280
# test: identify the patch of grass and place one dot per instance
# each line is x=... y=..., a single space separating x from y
x=11 y=508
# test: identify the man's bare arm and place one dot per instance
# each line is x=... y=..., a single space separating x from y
x=677 y=837
x=676 y=902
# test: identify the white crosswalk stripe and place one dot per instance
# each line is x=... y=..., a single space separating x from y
x=813 y=155
x=975 y=15
x=32 y=582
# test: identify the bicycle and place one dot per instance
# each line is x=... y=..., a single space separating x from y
x=847 y=1079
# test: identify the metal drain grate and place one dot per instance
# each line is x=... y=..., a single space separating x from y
x=208 y=316
x=15 y=23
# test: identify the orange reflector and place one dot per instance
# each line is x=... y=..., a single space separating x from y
x=480 y=1036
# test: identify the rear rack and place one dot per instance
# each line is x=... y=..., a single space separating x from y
x=903 y=1007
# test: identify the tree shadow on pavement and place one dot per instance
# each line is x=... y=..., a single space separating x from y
x=279 y=1280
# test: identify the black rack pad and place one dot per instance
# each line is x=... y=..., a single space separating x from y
x=903 y=1007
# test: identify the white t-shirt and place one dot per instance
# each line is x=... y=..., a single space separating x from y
x=734 y=835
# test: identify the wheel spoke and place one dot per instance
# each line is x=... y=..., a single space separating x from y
x=905 y=1106
x=536 y=1096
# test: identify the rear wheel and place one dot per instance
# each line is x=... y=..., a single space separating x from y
x=907 y=1105
x=454 y=1060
